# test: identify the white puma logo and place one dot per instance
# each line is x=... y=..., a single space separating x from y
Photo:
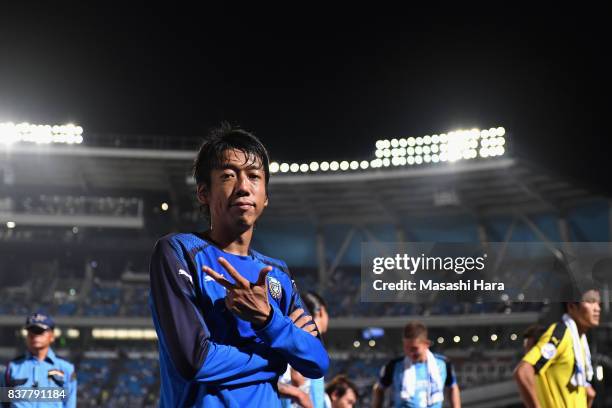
x=182 y=272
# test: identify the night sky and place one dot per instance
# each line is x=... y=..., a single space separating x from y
x=318 y=84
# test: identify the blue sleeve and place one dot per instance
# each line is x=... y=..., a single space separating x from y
x=183 y=332
x=303 y=351
x=71 y=398
x=451 y=378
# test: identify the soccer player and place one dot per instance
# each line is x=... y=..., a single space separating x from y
x=420 y=378
x=222 y=310
x=293 y=386
x=556 y=371
x=40 y=367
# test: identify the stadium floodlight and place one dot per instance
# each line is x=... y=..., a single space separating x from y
x=344 y=165
x=419 y=141
x=475 y=339
x=356 y=344
x=379 y=154
x=333 y=166
x=294 y=167
x=599 y=373
x=304 y=168
x=513 y=337
x=73 y=333
x=494 y=337
x=457 y=339
x=410 y=160
x=380 y=144
x=386 y=162
x=411 y=141
x=427 y=139
x=25 y=132
x=440 y=340
x=164 y=206
x=354 y=165
x=403 y=142
x=364 y=164
x=10 y=224
x=274 y=167
x=418 y=159
x=284 y=167
x=372 y=343
x=394 y=143
x=324 y=166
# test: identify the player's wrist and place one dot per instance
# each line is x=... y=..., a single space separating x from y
x=263 y=321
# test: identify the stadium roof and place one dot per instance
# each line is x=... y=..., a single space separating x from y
x=477 y=187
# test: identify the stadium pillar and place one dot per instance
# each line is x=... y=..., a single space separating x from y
x=321 y=259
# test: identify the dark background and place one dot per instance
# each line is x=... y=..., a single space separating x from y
x=317 y=84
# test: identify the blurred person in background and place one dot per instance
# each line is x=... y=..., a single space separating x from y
x=557 y=370
x=40 y=367
x=340 y=392
x=296 y=390
x=420 y=378
x=531 y=336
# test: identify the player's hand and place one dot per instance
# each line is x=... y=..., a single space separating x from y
x=303 y=400
x=248 y=301
x=304 y=322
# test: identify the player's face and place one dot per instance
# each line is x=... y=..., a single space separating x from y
x=348 y=400
x=588 y=310
x=322 y=319
x=237 y=195
x=38 y=339
x=416 y=349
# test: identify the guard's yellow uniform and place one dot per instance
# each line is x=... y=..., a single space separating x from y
x=553 y=360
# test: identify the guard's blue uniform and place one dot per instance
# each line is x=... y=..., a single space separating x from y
x=208 y=356
x=26 y=371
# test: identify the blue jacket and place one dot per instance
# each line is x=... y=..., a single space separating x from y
x=26 y=371
x=208 y=356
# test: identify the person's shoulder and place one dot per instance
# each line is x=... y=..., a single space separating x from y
x=18 y=360
x=394 y=361
x=273 y=262
x=188 y=241
x=441 y=357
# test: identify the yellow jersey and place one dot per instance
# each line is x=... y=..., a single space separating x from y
x=553 y=360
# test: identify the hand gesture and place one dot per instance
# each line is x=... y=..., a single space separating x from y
x=248 y=301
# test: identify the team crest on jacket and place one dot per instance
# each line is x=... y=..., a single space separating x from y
x=275 y=288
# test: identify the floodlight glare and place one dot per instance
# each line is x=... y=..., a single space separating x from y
x=333 y=166
x=304 y=168
x=294 y=167
x=344 y=165
x=324 y=166
x=274 y=167
x=354 y=165
x=364 y=164
x=284 y=167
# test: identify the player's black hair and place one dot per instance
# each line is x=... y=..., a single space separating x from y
x=313 y=302
x=339 y=385
x=573 y=293
x=228 y=137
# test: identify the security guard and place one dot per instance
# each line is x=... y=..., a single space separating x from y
x=39 y=367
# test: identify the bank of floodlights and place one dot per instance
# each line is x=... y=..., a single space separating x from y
x=439 y=148
x=11 y=133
